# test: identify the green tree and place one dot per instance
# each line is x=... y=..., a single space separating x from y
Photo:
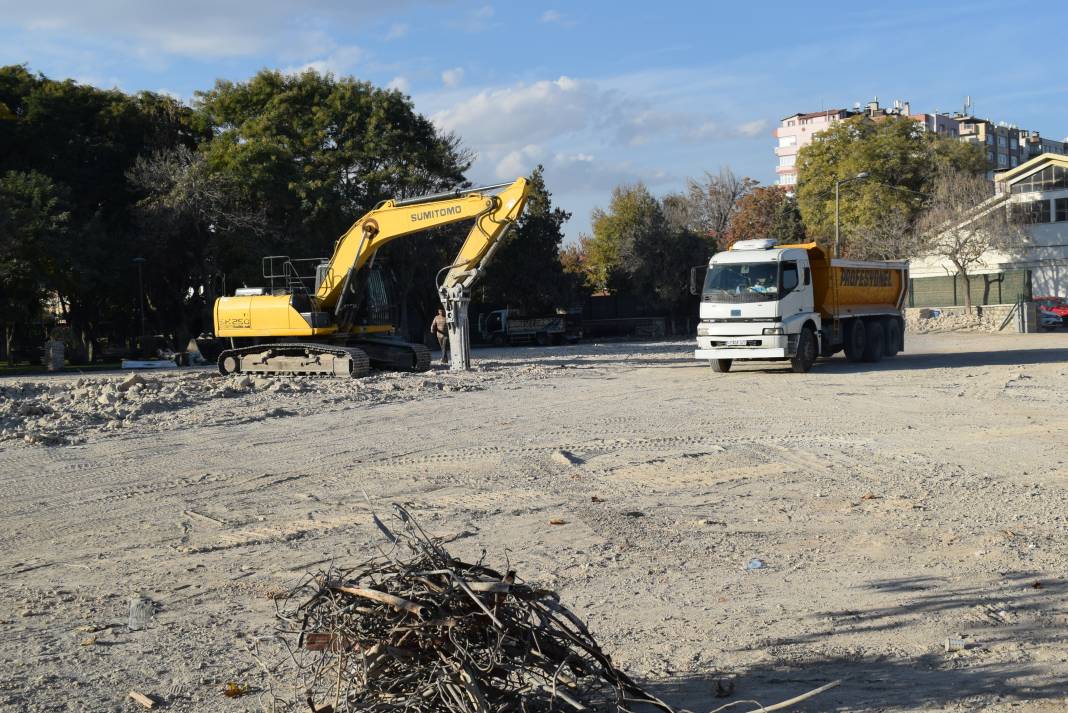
x=525 y=271
x=316 y=152
x=636 y=250
x=85 y=139
x=32 y=221
x=901 y=161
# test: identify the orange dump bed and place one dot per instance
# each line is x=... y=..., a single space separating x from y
x=844 y=288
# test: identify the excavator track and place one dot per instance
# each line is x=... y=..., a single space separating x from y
x=296 y=359
x=395 y=355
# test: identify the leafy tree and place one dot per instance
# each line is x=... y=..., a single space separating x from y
x=317 y=152
x=636 y=250
x=32 y=220
x=901 y=161
x=766 y=212
x=525 y=271
x=965 y=222
x=85 y=139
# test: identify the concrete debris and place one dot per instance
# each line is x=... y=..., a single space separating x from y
x=933 y=321
x=65 y=411
x=131 y=381
x=954 y=643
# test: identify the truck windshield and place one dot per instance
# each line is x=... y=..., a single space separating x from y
x=742 y=282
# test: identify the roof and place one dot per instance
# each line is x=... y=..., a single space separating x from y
x=812 y=114
x=1028 y=167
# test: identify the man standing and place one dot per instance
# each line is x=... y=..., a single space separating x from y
x=439 y=328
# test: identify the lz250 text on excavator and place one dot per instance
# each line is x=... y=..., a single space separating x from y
x=297 y=330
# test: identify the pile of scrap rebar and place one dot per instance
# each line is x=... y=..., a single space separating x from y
x=418 y=630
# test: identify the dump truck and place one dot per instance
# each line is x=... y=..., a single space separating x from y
x=795 y=303
x=504 y=326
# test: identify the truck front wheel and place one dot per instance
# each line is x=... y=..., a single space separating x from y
x=721 y=366
x=805 y=356
x=856 y=341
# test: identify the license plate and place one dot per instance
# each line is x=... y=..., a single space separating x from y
x=737 y=342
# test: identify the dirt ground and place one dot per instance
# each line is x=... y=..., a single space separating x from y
x=893 y=506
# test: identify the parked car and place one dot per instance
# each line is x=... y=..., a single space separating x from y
x=1056 y=305
x=1049 y=320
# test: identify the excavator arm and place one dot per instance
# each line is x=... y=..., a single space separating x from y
x=493 y=213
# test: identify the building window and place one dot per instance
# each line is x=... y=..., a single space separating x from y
x=788 y=179
x=1003 y=160
x=787 y=160
x=787 y=141
x=1031 y=212
x=1050 y=178
x=1062 y=210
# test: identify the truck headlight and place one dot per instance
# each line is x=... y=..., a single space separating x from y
x=772 y=330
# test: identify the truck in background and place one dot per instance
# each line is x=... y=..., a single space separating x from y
x=796 y=303
x=503 y=326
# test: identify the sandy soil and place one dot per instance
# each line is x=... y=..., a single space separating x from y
x=894 y=505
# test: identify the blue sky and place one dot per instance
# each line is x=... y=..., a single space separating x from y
x=601 y=93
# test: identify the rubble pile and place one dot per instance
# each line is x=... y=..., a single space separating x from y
x=67 y=411
x=419 y=630
x=933 y=321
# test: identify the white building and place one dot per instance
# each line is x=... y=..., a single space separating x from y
x=1037 y=190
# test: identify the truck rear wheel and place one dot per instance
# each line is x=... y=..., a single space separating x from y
x=721 y=366
x=892 y=327
x=873 y=349
x=856 y=341
x=805 y=356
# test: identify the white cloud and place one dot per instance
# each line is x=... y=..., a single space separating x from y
x=525 y=112
x=397 y=31
x=753 y=128
x=196 y=29
x=551 y=16
x=401 y=84
x=519 y=162
x=341 y=61
x=452 y=77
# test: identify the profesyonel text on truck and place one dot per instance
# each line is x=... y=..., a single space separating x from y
x=764 y=301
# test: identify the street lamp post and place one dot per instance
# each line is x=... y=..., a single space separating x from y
x=139 y=261
x=859 y=177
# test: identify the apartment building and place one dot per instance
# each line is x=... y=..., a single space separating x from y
x=1006 y=146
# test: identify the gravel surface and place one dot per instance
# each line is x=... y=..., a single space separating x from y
x=892 y=507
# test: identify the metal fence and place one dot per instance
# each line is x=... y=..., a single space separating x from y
x=996 y=288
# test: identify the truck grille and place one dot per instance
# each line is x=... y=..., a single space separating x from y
x=725 y=345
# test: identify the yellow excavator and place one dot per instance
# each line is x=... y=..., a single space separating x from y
x=332 y=322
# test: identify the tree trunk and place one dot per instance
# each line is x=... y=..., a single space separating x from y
x=9 y=337
x=967 y=291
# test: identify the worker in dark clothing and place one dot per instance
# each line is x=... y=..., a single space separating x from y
x=439 y=328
